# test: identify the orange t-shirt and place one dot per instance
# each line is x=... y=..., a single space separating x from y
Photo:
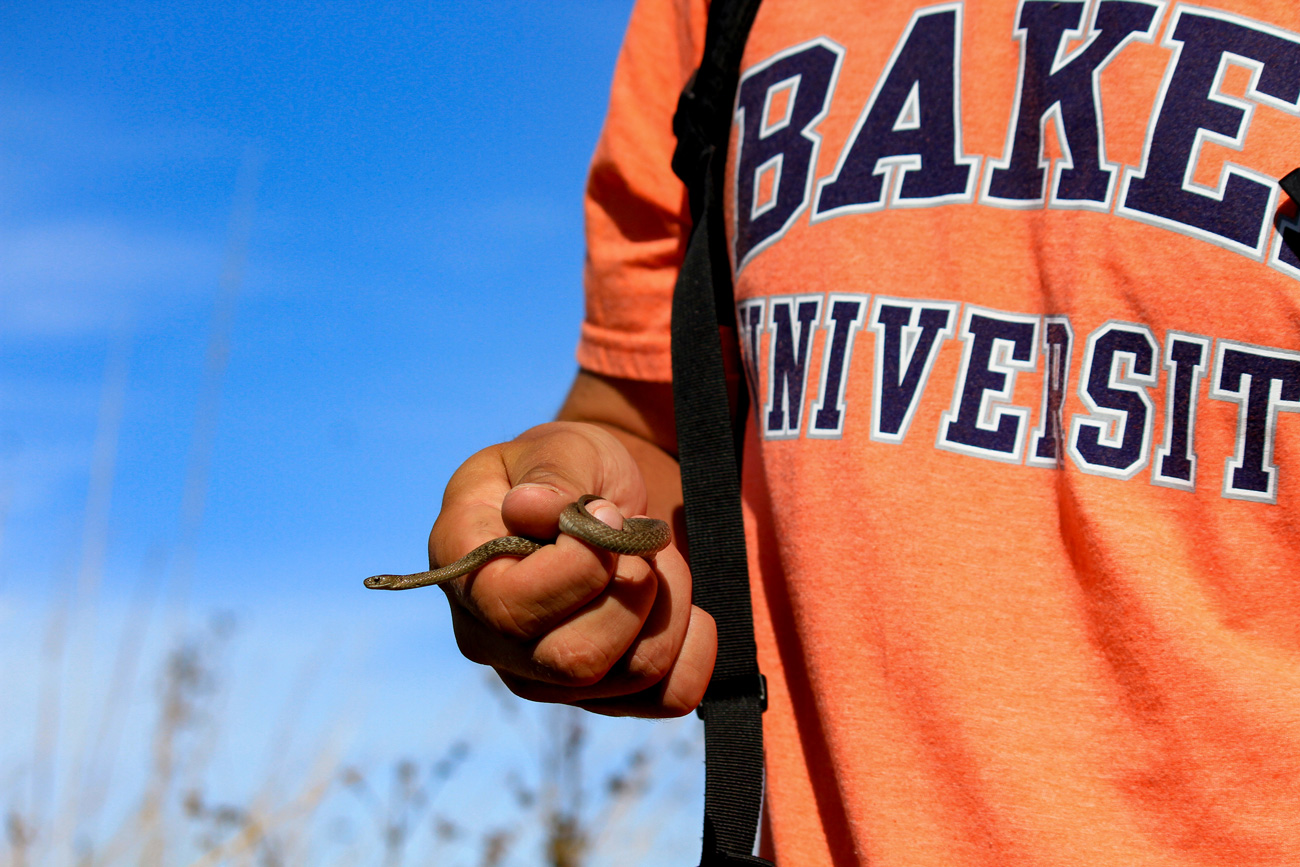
x=1019 y=303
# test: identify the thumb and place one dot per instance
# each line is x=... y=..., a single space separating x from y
x=533 y=508
x=552 y=465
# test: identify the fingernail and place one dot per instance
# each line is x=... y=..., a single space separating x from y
x=606 y=513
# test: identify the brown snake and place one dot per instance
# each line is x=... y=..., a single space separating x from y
x=639 y=537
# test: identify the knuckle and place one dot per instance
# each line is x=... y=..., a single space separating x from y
x=508 y=618
x=521 y=687
x=471 y=651
x=532 y=690
x=573 y=661
x=674 y=704
x=469 y=640
x=647 y=667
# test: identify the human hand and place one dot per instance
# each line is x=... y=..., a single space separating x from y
x=571 y=623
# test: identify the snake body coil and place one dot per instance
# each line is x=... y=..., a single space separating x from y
x=639 y=537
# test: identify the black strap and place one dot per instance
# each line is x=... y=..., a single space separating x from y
x=709 y=453
x=703 y=120
x=1291 y=186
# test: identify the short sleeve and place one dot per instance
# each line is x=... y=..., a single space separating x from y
x=637 y=216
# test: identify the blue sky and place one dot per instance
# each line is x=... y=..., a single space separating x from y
x=415 y=241
x=410 y=292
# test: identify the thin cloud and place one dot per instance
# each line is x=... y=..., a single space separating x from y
x=75 y=278
x=82 y=241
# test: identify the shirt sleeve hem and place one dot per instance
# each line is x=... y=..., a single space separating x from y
x=646 y=358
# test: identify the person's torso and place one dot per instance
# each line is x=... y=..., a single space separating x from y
x=1019 y=301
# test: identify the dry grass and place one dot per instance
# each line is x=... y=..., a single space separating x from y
x=551 y=810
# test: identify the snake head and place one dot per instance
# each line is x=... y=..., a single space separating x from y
x=380 y=582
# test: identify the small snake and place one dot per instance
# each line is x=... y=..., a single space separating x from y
x=639 y=537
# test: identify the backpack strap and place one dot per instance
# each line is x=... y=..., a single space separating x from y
x=1291 y=186
x=709 y=451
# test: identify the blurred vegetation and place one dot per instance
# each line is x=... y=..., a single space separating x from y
x=558 y=812
x=95 y=789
